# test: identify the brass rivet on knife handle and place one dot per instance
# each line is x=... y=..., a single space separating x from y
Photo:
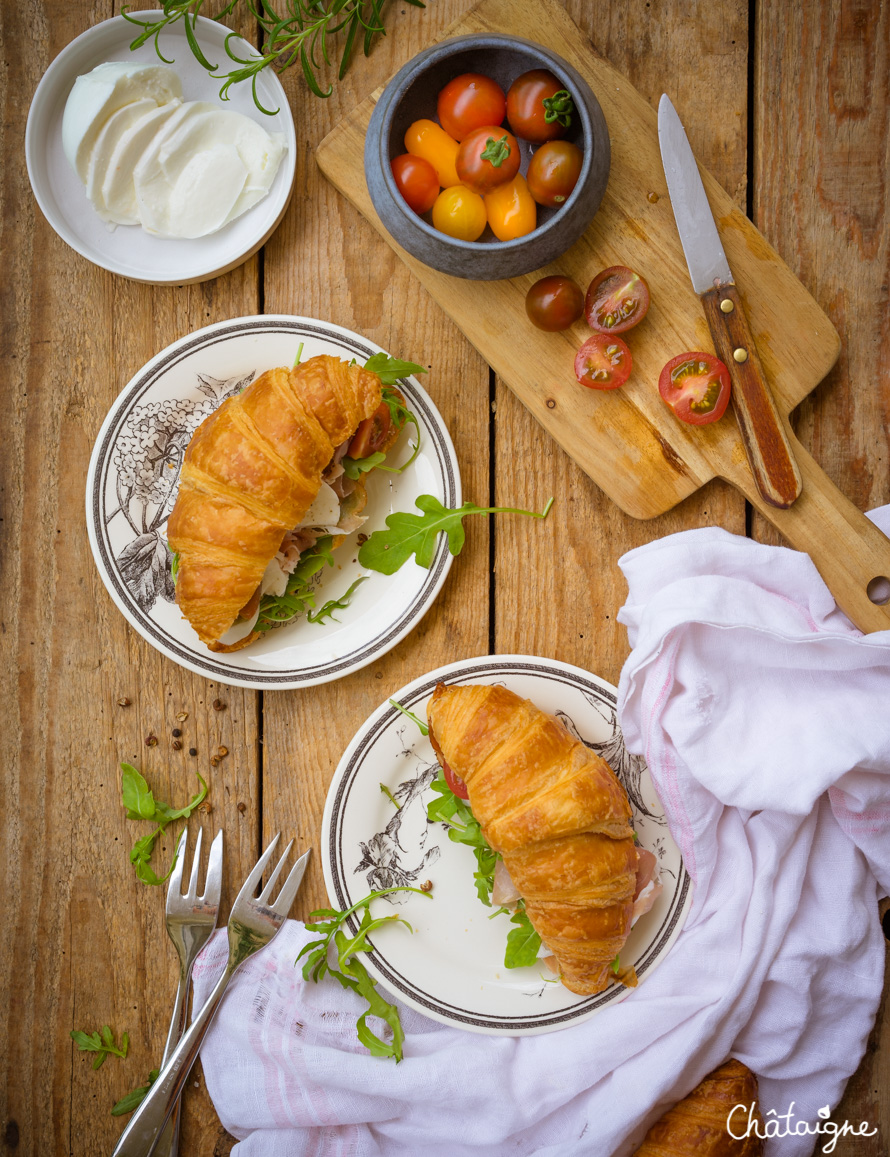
x=766 y=443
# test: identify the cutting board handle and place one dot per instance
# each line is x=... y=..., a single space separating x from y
x=850 y=553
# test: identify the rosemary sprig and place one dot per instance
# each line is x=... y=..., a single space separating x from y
x=301 y=34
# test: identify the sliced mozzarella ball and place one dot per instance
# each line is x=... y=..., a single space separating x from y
x=274 y=581
x=118 y=190
x=100 y=93
x=113 y=131
x=324 y=511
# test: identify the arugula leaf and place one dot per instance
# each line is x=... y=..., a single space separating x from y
x=424 y=730
x=140 y=803
x=350 y=972
x=174 y=567
x=616 y=963
x=133 y=1100
x=464 y=828
x=102 y=1044
x=327 y=611
x=389 y=370
x=301 y=591
x=392 y=799
x=523 y=941
x=354 y=467
x=388 y=550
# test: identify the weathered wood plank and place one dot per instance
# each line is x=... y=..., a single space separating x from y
x=558 y=587
x=822 y=135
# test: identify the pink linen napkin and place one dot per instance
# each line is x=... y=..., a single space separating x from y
x=764 y=716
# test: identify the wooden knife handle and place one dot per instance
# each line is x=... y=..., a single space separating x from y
x=848 y=550
x=763 y=432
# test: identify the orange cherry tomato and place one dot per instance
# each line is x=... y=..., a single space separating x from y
x=488 y=157
x=468 y=102
x=511 y=210
x=554 y=171
x=417 y=181
x=428 y=140
x=460 y=213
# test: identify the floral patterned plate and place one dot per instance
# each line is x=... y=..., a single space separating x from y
x=452 y=967
x=132 y=485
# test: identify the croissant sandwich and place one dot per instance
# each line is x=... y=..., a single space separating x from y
x=263 y=495
x=558 y=817
x=708 y=1123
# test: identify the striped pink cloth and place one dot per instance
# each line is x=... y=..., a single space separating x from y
x=764 y=717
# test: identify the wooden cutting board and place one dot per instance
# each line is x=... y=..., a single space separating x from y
x=627 y=440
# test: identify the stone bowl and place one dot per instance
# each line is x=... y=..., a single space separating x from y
x=411 y=95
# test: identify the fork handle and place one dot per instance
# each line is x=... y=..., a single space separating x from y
x=168 y=1142
x=141 y=1135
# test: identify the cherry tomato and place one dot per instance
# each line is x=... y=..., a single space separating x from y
x=696 y=386
x=603 y=362
x=460 y=213
x=488 y=157
x=469 y=102
x=511 y=210
x=428 y=140
x=372 y=433
x=617 y=300
x=554 y=171
x=455 y=782
x=539 y=108
x=417 y=181
x=554 y=303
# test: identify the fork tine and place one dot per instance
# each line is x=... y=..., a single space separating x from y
x=174 y=887
x=196 y=865
x=250 y=884
x=213 y=878
x=291 y=885
x=264 y=895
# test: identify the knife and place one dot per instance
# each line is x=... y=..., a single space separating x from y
x=769 y=452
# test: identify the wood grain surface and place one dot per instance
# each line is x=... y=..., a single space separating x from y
x=788 y=109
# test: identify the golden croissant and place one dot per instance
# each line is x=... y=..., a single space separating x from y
x=558 y=816
x=251 y=472
x=698 y=1125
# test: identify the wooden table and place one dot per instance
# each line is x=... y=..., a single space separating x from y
x=790 y=113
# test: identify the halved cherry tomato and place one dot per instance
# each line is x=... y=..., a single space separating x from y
x=696 y=386
x=603 y=362
x=511 y=210
x=417 y=182
x=488 y=157
x=539 y=108
x=460 y=213
x=554 y=171
x=372 y=433
x=617 y=300
x=468 y=102
x=554 y=303
x=428 y=140
x=455 y=782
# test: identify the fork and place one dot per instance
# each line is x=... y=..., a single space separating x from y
x=191 y=920
x=253 y=924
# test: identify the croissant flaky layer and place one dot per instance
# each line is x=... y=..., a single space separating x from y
x=557 y=814
x=250 y=473
x=697 y=1126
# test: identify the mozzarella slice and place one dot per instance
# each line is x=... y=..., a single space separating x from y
x=118 y=190
x=113 y=131
x=324 y=511
x=99 y=94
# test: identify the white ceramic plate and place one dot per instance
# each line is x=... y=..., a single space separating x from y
x=128 y=249
x=132 y=483
x=452 y=967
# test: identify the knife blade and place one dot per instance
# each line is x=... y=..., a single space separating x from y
x=766 y=443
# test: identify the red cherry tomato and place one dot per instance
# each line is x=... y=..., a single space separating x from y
x=470 y=102
x=617 y=300
x=455 y=782
x=488 y=157
x=539 y=107
x=696 y=386
x=372 y=433
x=554 y=171
x=603 y=362
x=554 y=303
x=417 y=181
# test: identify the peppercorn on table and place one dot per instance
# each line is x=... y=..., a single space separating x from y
x=788 y=111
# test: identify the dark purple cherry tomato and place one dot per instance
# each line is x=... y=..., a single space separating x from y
x=554 y=303
x=554 y=171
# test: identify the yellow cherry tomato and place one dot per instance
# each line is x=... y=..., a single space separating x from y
x=428 y=140
x=460 y=213
x=511 y=209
